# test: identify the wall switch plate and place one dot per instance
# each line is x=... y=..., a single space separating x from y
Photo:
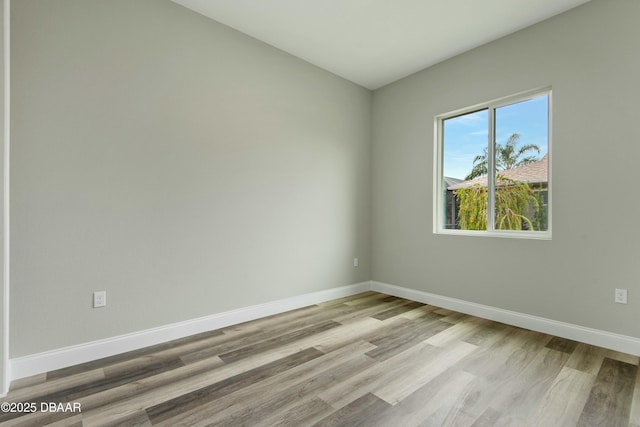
x=355 y=262
x=621 y=296
x=99 y=299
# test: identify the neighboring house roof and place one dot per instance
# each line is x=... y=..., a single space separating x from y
x=536 y=172
x=448 y=181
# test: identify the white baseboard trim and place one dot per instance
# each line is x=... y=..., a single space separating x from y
x=623 y=343
x=34 y=364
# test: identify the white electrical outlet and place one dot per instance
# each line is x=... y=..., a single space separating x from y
x=355 y=262
x=621 y=296
x=99 y=299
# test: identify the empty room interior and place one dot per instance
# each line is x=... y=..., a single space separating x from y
x=320 y=212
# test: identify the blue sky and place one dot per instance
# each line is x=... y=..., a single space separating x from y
x=466 y=136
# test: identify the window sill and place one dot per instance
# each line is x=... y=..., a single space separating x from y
x=531 y=235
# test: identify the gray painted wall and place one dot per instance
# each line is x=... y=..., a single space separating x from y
x=188 y=169
x=177 y=164
x=591 y=58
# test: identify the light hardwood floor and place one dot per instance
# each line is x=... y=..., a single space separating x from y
x=369 y=359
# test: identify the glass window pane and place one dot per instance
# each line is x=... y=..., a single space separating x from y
x=465 y=142
x=521 y=150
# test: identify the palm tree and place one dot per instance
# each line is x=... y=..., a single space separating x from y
x=507 y=157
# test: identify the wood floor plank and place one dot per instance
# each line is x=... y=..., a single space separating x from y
x=458 y=332
x=489 y=418
x=329 y=313
x=488 y=335
x=161 y=388
x=363 y=411
x=586 y=358
x=141 y=364
x=74 y=393
x=530 y=385
x=363 y=296
x=123 y=395
x=324 y=339
x=29 y=393
x=634 y=418
x=253 y=333
x=503 y=358
x=442 y=393
x=278 y=341
x=28 y=381
x=293 y=386
x=454 y=317
x=397 y=310
x=378 y=375
x=138 y=419
x=274 y=320
x=372 y=300
x=168 y=353
x=448 y=403
x=121 y=402
x=100 y=363
x=214 y=391
x=336 y=338
x=422 y=311
x=564 y=400
x=275 y=409
x=368 y=310
x=622 y=357
x=499 y=364
x=43 y=418
x=257 y=335
x=507 y=421
x=401 y=339
x=562 y=344
x=407 y=381
x=305 y=413
x=74 y=421
x=609 y=402
x=278 y=324
x=444 y=311
x=220 y=341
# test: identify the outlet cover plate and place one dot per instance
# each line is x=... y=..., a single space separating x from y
x=99 y=299
x=621 y=296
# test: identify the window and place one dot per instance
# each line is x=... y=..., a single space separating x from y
x=492 y=168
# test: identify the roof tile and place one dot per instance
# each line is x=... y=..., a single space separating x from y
x=536 y=172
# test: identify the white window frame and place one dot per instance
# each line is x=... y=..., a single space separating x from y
x=438 y=175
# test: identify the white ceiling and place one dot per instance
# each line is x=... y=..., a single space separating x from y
x=375 y=42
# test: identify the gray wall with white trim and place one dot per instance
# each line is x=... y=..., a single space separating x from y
x=181 y=166
x=590 y=56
